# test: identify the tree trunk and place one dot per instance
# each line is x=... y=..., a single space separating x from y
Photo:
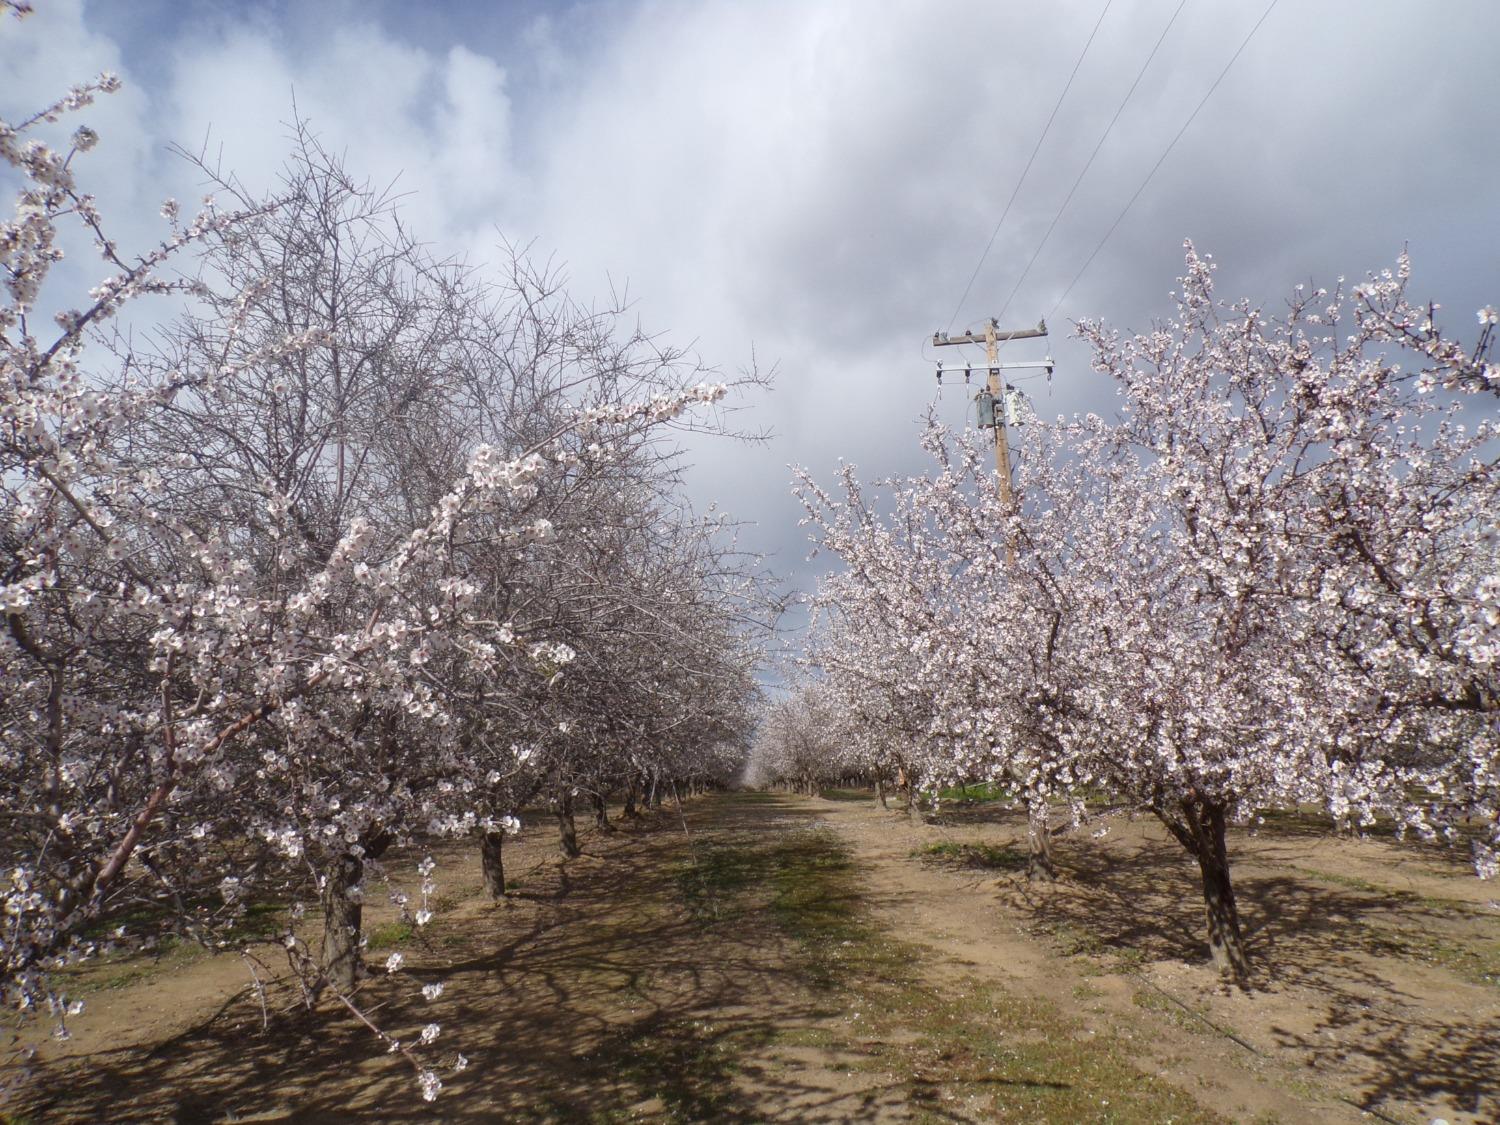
x=1201 y=832
x=562 y=805
x=601 y=816
x=343 y=915
x=1039 y=864
x=880 y=792
x=492 y=863
x=630 y=799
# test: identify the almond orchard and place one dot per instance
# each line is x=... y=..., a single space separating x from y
x=336 y=573
x=1271 y=584
x=359 y=550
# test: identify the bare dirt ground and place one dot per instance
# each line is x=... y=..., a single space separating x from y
x=1377 y=993
x=812 y=959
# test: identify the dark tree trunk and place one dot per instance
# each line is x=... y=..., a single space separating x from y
x=630 y=799
x=567 y=829
x=343 y=916
x=1200 y=829
x=492 y=863
x=343 y=912
x=1039 y=864
x=601 y=816
x=880 y=792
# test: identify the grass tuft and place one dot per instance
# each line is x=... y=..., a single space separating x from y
x=388 y=935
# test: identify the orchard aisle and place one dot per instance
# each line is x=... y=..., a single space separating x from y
x=784 y=959
x=734 y=974
x=969 y=932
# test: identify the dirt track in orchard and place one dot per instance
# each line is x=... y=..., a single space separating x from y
x=819 y=959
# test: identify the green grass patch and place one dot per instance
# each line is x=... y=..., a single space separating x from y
x=1478 y=963
x=979 y=1053
x=686 y=1065
x=821 y=1038
x=712 y=880
x=847 y=794
x=757 y=797
x=260 y=921
x=1352 y=882
x=1395 y=894
x=121 y=970
x=387 y=935
x=976 y=792
x=817 y=901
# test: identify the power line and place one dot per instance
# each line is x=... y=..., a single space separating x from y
x=1090 y=162
x=1030 y=160
x=1162 y=159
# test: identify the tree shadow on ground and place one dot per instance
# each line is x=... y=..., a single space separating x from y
x=604 y=1002
x=1140 y=901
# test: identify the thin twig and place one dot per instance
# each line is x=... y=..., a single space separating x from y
x=260 y=991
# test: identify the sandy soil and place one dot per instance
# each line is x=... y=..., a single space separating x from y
x=596 y=994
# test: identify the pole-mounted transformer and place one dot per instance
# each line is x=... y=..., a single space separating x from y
x=1014 y=401
x=984 y=410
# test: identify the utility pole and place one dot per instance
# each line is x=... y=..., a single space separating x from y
x=997 y=390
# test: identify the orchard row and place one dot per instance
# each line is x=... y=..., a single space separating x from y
x=354 y=547
x=1272 y=583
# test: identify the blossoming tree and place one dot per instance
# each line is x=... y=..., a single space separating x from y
x=1268 y=584
x=277 y=591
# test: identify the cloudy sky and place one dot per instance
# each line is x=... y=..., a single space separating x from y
x=816 y=181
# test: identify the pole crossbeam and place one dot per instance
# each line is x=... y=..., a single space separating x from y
x=990 y=334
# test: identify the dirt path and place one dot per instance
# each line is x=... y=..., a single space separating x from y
x=1378 y=995
x=971 y=930
x=790 y=960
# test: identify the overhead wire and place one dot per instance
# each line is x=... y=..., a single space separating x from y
x=1084 y=171
x=1029 y=161
x=1162 y=158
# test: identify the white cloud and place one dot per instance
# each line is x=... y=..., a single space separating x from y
x=818 y=178
x=437 y=126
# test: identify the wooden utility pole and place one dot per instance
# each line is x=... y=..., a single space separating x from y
x=991 y=341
